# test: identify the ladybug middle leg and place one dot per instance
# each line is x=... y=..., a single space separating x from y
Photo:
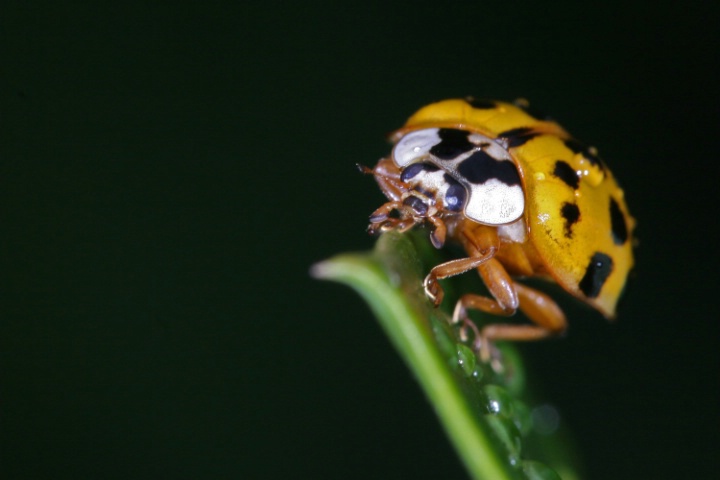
x=548 y=320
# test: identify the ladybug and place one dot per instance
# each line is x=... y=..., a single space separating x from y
x=522 y=197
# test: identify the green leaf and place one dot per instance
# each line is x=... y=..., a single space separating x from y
x=480 y=409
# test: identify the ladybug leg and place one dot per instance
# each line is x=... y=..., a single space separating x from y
x=433 y=290
x=542 y=310
x=508 y=296
x=482 y=245
x=381 y=221
x=437 y=236
x=382 y=213
x=504 y=302
x=387 y=175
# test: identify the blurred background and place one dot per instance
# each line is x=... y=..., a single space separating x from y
x=169 y=172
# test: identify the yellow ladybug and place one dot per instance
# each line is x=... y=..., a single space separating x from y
x=522 y=197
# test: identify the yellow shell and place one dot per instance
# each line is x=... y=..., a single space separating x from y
x=575 y=212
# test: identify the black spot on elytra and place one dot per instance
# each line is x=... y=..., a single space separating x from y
x=585 y=151
x=571 y=214
x=480 y=167
x=453 y=142
x=565 y=172
x=518 y=136
x=480 y=103
x=596 y=273
x=412 y=170
x=455 y=195
x=617 y=221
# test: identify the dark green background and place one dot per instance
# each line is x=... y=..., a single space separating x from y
x=168 y=173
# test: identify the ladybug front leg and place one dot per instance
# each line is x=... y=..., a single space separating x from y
x=481 y=243
x=434 y=291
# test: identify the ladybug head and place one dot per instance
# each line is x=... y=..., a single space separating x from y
x=412 y=201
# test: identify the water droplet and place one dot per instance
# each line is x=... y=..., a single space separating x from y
x=538 y=471
x=589 y=173
x=466 y=359
x=499 y=402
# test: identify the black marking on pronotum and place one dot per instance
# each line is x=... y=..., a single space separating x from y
x=416 y=204
x=596 y=273
x=567 y=174
x=453 y=142
x=585 y=151
x=518 y=136
x=480 y=103
x=480 y=167
x=617 y=221
x=571 y=214
x=455 y=195
x=412 y=170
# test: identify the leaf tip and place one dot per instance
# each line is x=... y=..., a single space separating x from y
x=320 y=270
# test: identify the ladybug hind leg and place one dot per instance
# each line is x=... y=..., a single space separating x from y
x=509 y=296
x=506 y=296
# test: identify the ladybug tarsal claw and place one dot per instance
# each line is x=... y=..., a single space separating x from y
x=459 y=314
x=436 y=241
x=378 y=217
x=439 y=232
x=433 y=290
x=468 y=325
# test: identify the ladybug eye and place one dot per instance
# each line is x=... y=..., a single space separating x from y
x=455 y=196
x=413 y=170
